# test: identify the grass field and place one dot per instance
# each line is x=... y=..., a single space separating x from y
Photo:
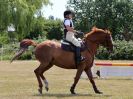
x=17 y=81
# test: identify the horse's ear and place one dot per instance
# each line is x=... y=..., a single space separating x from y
x=107 y=31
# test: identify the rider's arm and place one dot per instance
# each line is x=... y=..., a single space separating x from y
x=71 y=29
x=67 y=25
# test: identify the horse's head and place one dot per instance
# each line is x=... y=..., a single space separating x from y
x=108 y=41
x=101 y=37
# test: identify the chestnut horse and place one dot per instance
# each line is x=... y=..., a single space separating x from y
x=49 y=53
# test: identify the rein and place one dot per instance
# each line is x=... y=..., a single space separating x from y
x=85 y=42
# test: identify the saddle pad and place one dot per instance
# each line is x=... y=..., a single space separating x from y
x=68 y=46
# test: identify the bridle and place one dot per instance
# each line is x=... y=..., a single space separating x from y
x=106 y=42
x=107 y=38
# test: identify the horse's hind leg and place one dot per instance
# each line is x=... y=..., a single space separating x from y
x=38 y=71
x=43 y=78
x=90 y=76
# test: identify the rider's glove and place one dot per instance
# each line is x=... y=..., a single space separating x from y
x=79 y=34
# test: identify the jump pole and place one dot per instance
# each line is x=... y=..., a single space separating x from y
x=114 y=64
x=115 y=69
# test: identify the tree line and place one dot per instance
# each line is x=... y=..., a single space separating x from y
x=24 y=15
x=115 y=15
x=27 y=18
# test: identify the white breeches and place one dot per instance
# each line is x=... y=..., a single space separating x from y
x=71 y=38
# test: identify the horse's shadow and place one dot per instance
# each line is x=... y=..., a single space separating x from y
x=71 y=95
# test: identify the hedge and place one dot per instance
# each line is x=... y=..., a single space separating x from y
x=123 y=50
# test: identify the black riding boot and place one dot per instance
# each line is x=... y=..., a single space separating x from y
x=78 y=57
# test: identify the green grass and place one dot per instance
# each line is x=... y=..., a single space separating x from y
x=17 y=81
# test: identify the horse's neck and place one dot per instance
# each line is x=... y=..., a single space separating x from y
x=92 y=47
x=91 y=43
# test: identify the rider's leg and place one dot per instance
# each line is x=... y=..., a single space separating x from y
x=79 y=58
x=70 y=37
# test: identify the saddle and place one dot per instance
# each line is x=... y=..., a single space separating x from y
x=68 y=46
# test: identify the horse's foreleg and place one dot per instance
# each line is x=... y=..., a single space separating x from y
x=76 y=79
x=90 y=76
x=43 y=78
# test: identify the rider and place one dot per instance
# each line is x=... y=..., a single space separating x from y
x=69 y=34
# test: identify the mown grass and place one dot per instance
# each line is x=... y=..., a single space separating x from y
x=17 y=81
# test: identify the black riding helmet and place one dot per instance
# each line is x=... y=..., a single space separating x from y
x=67 y=12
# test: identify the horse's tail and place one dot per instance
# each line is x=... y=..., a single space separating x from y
x=24 y=44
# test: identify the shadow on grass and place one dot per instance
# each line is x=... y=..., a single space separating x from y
x=70 y=95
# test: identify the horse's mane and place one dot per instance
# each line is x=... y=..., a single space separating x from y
x=96 y=30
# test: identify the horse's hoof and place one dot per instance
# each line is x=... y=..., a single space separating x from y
x=72 y=91
x=40 y=91
x=98 y=92
x=46 y=88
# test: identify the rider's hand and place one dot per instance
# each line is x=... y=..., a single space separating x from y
x=79 y=34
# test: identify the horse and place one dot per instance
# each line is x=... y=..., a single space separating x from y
x=49 y=53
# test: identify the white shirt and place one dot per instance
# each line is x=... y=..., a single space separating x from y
x=68 y=22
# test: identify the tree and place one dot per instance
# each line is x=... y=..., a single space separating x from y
x=50 y=29
x=20 y=13
x=116 y=15
x=124 y=18
x=38 y=28
x=53 y=29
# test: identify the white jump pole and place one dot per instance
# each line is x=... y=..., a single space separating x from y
x=115 y=69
